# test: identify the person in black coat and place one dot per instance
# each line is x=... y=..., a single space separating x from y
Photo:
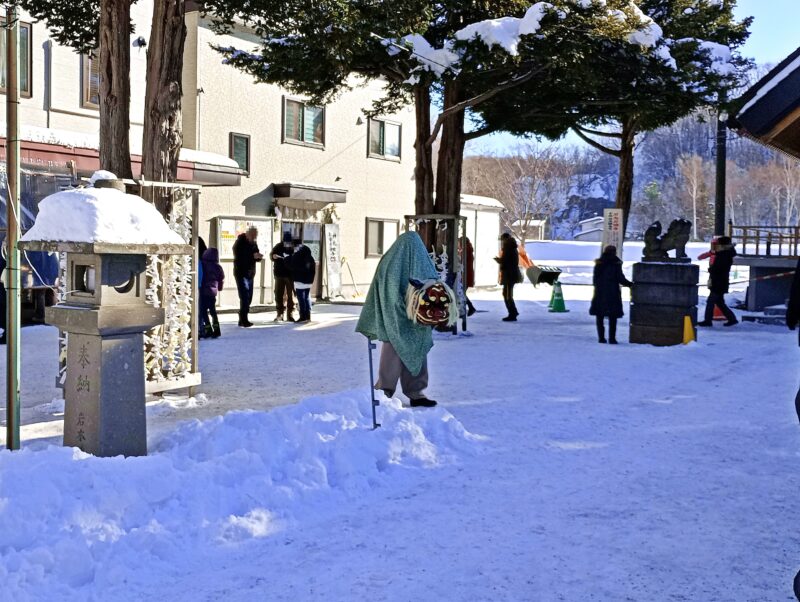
x=509 y=274
x=719 y=272
x=303 y=268
x=245 y=257
x=607 y=298
x=792 y=319
x=282 y=278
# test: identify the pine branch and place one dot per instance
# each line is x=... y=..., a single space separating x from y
x=596 y=144
x=478 y=133
x=599 y=133
x=476 y=100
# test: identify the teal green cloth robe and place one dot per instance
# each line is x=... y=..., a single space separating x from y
x=384 y=317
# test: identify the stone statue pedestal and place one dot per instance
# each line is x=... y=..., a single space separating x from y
x=663 y=294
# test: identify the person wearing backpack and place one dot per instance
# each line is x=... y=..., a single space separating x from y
x=303 y=268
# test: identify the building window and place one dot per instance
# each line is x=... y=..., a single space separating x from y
x=90 y=81
x=239 y=150
x=381 y=234
x=25 y=53
x=384 y=139
x=302 y=123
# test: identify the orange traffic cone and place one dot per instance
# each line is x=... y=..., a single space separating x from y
x=718 y=315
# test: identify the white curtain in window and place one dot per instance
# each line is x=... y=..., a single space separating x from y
x=391 y=140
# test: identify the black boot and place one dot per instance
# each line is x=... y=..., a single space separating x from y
x=612 y=331
x=216 y=331
x=422 y=402
x=601 y=330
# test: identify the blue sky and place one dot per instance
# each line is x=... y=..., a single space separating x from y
x=773 y=37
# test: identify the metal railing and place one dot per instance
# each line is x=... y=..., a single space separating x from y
x=766 y=241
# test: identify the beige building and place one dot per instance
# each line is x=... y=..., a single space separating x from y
x=329 y=175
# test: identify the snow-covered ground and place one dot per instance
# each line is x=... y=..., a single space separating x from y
x=555 y=468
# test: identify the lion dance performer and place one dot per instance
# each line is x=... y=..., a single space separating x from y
x=405 y=300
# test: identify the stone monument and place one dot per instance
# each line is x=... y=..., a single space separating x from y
x=664 y=288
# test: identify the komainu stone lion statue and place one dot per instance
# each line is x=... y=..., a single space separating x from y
x=656 y=246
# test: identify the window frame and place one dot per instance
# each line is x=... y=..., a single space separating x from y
x=396 y=158
x=303 y=103
x=231 y=137
x=86 y=74
x=383 y=221
x=24 y=93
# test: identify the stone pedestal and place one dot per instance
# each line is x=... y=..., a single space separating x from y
x=104 y=413
x=663 y=294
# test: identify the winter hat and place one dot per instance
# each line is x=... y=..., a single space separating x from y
x=287 y=236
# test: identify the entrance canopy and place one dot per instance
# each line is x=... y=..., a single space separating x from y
x=770 y=111
x=311 y=197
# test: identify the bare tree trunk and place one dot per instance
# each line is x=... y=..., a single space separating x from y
x=625 y=183
x=163 y=133
x=451 y=155
x=115 y=87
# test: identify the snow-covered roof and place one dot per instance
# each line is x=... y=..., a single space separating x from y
x=771 y=81
x=481 y=201
x=99 y=215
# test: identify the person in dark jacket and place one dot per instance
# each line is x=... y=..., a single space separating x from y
x=213 y=281
x=793 y=318
x=719 y=281
x=303 y=268
x=509 y=274
x=607 y=298
x=284 y=286
x=245 y=257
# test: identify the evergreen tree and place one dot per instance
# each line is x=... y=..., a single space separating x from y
x=103 y=27
x=469 y=53
x=683 y=58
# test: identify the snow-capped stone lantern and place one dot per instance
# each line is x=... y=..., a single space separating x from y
x=107 y=236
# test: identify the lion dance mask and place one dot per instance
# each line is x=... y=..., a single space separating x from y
x=431 y=303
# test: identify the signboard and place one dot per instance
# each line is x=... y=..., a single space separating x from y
x=333 y=264
x=229 y=228
x=612 y=230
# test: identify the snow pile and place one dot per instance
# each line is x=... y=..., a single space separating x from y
x=720 y=56
x=649 y=32
x=506 y=32
x=435 y=60
x=70 y=522
x=168 y=405
x=102 y=215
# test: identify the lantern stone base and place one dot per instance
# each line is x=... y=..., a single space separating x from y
x=104 y=395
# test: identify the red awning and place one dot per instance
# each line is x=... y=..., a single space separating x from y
x=83 y=162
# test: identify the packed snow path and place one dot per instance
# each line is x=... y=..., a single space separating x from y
x=607 y=473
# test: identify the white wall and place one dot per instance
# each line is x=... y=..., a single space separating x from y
x=56 y=82
x=483 y=229
x=232 y=102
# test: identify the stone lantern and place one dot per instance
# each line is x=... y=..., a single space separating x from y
x=105 y=315
x=105 y=312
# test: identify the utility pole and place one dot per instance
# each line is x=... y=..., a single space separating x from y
x=12 y=230
x=722 y=158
